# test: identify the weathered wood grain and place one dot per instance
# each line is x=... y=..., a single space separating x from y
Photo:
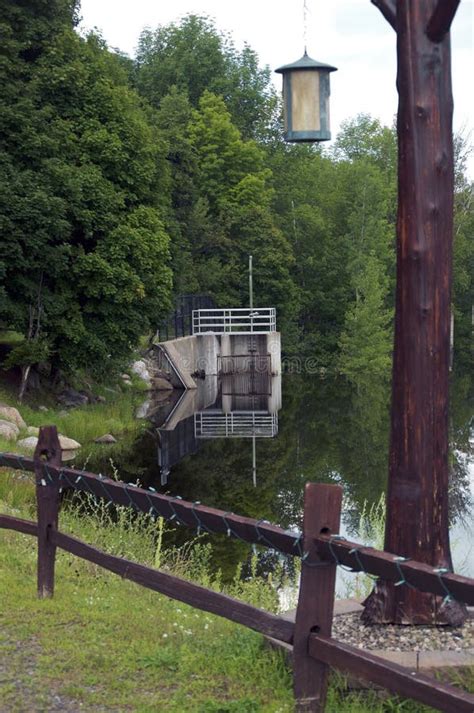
x=322 y=512
x=388 y=8
x=417 y=524
x=397 y=679
x=47 y=453
x=383 y=565
x=27 y=527
x=440 y=22
x=176 y=588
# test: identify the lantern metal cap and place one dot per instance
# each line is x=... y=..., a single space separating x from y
x=306 y=62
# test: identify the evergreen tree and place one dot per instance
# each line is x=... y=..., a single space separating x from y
x=366 y=342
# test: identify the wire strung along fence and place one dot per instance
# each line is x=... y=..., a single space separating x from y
x=319 y=546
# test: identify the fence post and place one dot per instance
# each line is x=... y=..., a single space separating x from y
x=322 y=512
x=48 y=451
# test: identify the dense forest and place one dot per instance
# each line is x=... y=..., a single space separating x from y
x=127 y=181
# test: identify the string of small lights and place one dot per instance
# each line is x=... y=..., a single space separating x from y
x=165 y=507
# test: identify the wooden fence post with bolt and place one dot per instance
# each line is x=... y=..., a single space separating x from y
x=322 y=513
x=48 y=452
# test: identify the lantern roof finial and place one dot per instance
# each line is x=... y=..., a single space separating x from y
x=306 y=62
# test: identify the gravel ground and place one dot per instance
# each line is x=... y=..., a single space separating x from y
x=349 y=629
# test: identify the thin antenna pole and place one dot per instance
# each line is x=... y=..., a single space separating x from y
x=254 y=461
x=251 y=282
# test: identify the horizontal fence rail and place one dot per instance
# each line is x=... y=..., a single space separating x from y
x=396 y=569
x=310 y=636
x=205 y=519
x=192 y=515
x=174 y=587
x=395 y=678
x=242 y=320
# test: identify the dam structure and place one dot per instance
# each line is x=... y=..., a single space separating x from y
x=225 y=369
x=223 y=342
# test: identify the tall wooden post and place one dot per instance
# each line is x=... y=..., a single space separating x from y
x=48 y=451
x=417 y=503
x=322 y=513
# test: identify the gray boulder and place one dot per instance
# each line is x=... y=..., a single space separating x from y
x=141 y=369
x=106 y=438
x=9 y=413
x=71 y=398
x=143 y=409
x=9 y=430
x=68 y=444
x=68 y=455
x=29 y=444
x=161 y=384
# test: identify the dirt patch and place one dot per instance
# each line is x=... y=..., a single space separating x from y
x=21 y=689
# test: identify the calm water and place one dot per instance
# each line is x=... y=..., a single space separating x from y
x=307 y=429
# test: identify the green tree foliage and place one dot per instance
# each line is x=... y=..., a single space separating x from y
x=195 y=57
x=173 y=119
x=366 y=342
x=463 y=260
x=118 y=174
x=84 y=189
x=235 y=208
x=336 y=209
x=365 y=138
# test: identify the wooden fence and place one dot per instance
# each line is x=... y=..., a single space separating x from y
x=319 y=546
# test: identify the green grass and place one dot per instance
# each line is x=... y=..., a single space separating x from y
x=10 y=338
x=85 y=423
x=106 y=644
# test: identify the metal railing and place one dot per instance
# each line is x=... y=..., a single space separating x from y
x=241 y=320
x=179 y=322
x=236 y=424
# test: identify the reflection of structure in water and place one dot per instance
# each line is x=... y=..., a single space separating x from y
x=249 y=386
x=236 y=424
x=175 y=445
x=243 y=406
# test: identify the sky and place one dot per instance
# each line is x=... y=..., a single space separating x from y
x=349 y=34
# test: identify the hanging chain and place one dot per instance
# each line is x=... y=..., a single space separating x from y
x=305 y=25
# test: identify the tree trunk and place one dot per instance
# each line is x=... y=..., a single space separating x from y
x=417 y=504
x=25 y=371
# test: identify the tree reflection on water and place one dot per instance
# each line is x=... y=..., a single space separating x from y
x=328 y=431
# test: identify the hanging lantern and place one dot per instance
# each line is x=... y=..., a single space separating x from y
x=306 y=99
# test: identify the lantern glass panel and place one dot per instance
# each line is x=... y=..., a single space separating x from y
x=305 y=106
